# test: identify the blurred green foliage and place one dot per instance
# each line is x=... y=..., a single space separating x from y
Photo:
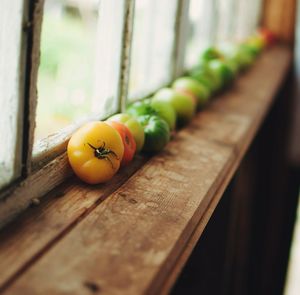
x=65 y=79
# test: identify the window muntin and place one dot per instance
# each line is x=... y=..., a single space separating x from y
x=104 y=72
x=152 y=47
x=109 y=66
x=12 y=89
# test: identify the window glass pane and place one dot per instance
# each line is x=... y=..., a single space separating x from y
x=152 y=48
x=202 y=29
x=227 y=16
x=248 y=16
x=80 y=57
x=256 y=14
x=11 y=88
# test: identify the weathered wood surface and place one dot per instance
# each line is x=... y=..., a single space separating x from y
x=136 y=240
x=55 y=216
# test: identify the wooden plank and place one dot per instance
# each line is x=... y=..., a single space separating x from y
x=57 y=214
x=130 y=242
x=156 y=206
x=240 y=152
x=19 y=197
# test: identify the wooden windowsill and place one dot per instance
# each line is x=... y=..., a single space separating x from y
x=134 y=234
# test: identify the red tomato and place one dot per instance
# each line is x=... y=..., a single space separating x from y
x=128 y=141
x=268 y=36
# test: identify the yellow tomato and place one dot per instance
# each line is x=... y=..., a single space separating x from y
x=95 y=151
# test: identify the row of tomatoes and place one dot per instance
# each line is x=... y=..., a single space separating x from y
x=98 y=149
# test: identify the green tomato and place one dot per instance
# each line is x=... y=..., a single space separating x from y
x=246 y=55
x=257 y=42
x=251 y=49
x=140 y=108
x=254 y=45
x=166 y=111
x=210 y=53
x=233 y=65
x=202 y=78
x=240 y=55
x=157 y=133
x=222 y=70
x=184 y=105
x=203 y=74
x=149 y=107
x=134 y=126
x=194 y=87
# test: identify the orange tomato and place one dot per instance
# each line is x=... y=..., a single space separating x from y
x=95 y=152
x=128 y=141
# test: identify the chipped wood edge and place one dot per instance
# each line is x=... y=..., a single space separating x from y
x=47 y=149
x=20 y=196
x=33 y=60
x=18 y=161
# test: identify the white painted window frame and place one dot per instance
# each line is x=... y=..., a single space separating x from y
x=13 y=36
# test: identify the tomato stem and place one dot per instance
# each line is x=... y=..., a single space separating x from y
x=102 y=153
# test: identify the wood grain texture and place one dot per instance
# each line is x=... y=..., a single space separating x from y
x=279 y=16
x=130 y=242
x=60 y=210
x=19 y=197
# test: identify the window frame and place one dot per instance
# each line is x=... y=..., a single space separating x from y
x=49 y=148
x=19 y=144
x=177 y=13
x=54 y=145
x=49 y=167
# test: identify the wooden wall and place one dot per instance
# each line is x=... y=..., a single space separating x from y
x=279 y=16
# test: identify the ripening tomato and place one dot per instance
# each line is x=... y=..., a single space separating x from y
x=95 y=152
x=128 y=141
x=134 y=126
x=268 y=37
